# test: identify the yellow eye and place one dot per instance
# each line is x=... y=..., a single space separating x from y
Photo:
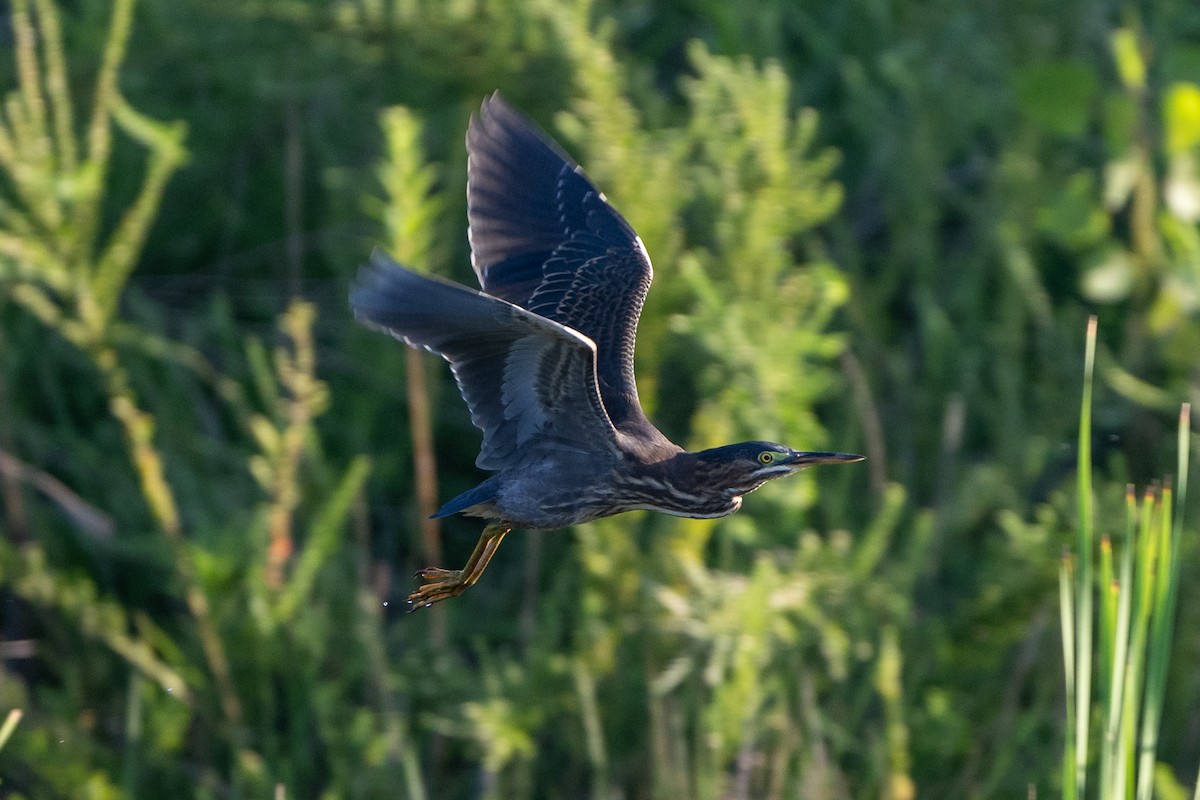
x=766 y=457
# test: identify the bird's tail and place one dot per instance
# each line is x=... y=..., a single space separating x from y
x=476 y=502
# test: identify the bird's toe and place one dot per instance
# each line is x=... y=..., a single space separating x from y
x=438 y=584
x=437 y=574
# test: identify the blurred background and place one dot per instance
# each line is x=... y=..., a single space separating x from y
x=877 y=226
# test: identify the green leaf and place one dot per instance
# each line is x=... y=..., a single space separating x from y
x=1075 y=217
x=1181 y=117
x=1058 y=96
x=1128 y=57
x=1111 y=278
x=1182 y=187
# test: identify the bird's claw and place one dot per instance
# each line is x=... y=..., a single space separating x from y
x=438 y=584
x=441 y=584
x=437 y=574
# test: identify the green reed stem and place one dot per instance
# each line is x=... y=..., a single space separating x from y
x=1163 y=626
x=1083 y=585
x=10 y=725
x=1139 y=592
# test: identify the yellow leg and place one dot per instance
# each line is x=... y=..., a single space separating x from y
x=439 y=584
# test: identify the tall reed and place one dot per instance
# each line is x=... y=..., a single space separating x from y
x=1118 y=625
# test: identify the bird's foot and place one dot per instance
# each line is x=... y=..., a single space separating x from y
x=441 y=584
x=437 y=584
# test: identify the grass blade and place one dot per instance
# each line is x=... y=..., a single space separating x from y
x=1111 y=764
x=10 y=725
x=1162 y=629
x=1067 y=617
x=1109 y=595
x=1083 y=587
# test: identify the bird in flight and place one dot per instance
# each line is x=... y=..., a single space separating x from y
x=543 y=355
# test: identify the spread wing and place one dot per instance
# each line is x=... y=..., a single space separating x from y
x=544 y=238
x=527 y=380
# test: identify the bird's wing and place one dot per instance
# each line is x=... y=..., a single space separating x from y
x=544 y=238
x=526 y=379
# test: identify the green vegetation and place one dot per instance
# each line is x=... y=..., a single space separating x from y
x=875 y=228
x=1137 y=615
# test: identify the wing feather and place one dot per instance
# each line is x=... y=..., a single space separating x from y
x=544 y=238
x=525 y=378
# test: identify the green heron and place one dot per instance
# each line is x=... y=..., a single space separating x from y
x=543 y=356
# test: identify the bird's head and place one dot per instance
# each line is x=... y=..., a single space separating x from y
x=743 y=467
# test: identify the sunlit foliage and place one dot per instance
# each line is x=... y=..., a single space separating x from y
x=875 y=228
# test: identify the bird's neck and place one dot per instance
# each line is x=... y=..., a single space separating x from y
x=699 y=486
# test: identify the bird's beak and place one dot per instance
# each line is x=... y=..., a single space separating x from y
x=800 y=460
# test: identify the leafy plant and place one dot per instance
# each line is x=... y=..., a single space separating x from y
x=875 y=229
